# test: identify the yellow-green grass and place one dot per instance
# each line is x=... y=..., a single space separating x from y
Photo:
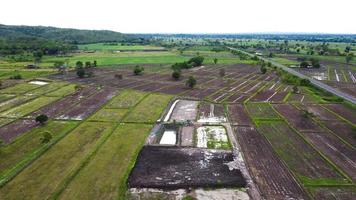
x=104 y=177
x=7 y=73
x=150 y=109
x=63 y=91
x=53 y=86
x=4 y=121
x=28 y=146
x=5 y=97
x=28 y=107
x=102 y=46
x=44 y=175
x=15 y=101
x=109 y=115
x=126 y=99
x=20 y=88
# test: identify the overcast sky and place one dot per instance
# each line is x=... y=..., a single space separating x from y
x=185 y=16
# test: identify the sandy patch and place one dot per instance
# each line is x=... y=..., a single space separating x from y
x=169 y=138
x=38 y=82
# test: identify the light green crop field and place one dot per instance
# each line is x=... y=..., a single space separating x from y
x=44 y=175
x=126 y=99
x=28 y=107
x=28 y=146
x=109 y=115
x=103 y=46
x=63 y=91
x=261 y=111
x=19 y=88
x=109 y=168
x=149 y=109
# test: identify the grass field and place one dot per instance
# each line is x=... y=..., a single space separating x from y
x=29 y=146
x=28 y=107
x=109 y=115
x=19 y=88
x=260 y=111
x=149 y=109
x=126 y=99
x=103 y=46
x=42 y=177
x=108 y=169
x=63 y=91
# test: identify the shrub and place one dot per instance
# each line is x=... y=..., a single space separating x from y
x=263 y=69
x=176 y=74
x=80 y=72
x=304 y=64
x=191 y=82
x=304 y=82
x=46 y=137
x=138 y=70
x=41 y=119
x=16 y=76
x=196 y=61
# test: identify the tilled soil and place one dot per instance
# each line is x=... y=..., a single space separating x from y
x=175 y=167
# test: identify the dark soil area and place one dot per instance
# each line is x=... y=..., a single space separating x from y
x=175 y=167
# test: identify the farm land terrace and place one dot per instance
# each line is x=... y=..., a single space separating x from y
x=128 y=129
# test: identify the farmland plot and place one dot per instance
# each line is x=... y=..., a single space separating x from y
x=108 y=169
x=261 y=111
x=302 y=159
x=238 y=115
x=150 y=109
x=274 y=182
x=57 y=163
x=20 y=88
x=343 y=111
x=28 y=107
x=26 y=147
x=126 y=99
x=211 y=112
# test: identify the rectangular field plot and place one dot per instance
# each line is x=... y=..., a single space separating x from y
x=174 y=167
x=109 y=115
x=212 y=137
x=28 y=107
x=109 y=167
x=274 y=182
x=14 y=102
x=238 y=115
x=20 y=88
x=342 y=111
x=184 y=110
x=150 y=109
x=53 y=86
x=5 y=97
x=305 y=162
x=261 y=111
x=126 y=99
x=44 y=175
x=26 y=147
x=208 y=112
x=63 y=91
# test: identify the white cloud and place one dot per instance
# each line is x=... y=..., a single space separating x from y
x=185 y=16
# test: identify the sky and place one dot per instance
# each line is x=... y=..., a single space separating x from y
x=186 y=16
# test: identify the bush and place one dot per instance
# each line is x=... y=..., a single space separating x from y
x=80 y=72
x=16 y=76
x=263 y=69
x=46 y=137
x=304 y=82
x=304 y=64
x=138 y=70
x=176 y=74
x=41 y=119
x=191 y=82
x=196 y=61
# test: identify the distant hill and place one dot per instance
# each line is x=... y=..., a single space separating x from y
x=51 y=40
x=73 y=36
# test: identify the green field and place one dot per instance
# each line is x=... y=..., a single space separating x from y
x=126 y=99
x=109 y=115
x=19 y=88
x=150 y=109
x=103 y=46
x=43 y=176
x=28 y=147
x=260 y=111
x=110 y=166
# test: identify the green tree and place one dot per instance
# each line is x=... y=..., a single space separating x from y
x=196 y=61
x=138 y=70
x=349 y=57
x=176 y=74
x=46 y=137
x=37 y=56
x=42 y=119
x=95 y=63
x=304 y=64
x=79 y=64
x=304 y=82
x=191 y=82
x=263 y=69
x=215 y=61
x=80 y=72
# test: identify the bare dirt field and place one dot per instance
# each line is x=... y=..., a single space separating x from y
x=174 y=168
